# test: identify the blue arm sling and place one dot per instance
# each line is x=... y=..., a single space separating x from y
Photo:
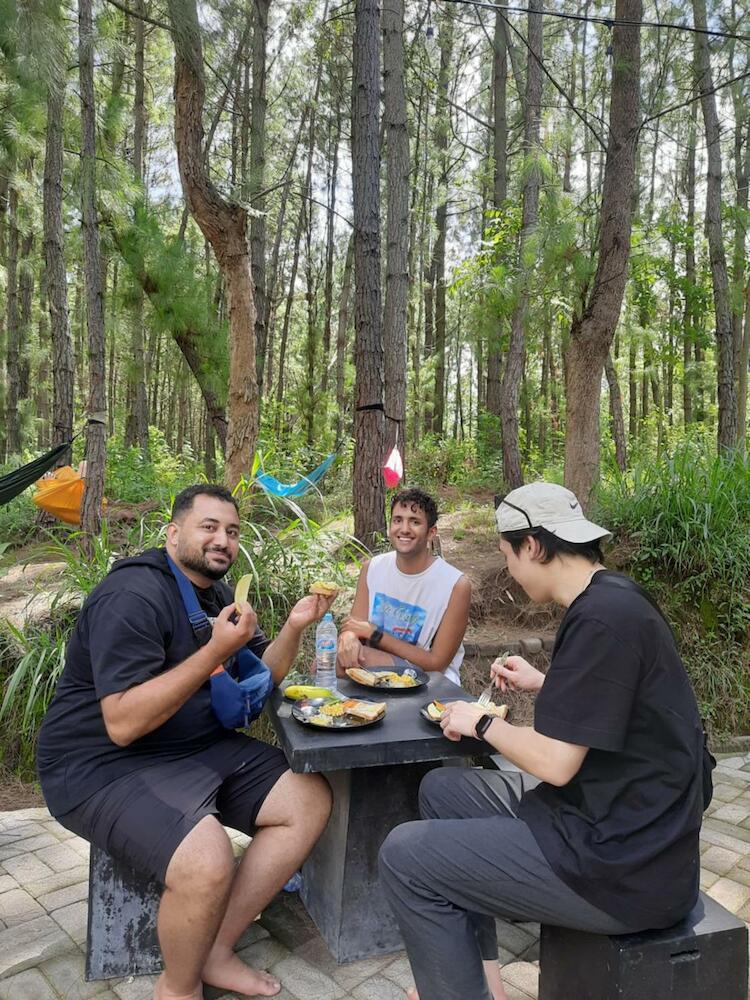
x=234 y=702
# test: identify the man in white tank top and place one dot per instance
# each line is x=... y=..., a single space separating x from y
x=410 y=606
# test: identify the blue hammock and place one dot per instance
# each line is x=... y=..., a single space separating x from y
x=276 y=489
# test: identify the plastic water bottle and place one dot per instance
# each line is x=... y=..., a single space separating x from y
x=325 y=652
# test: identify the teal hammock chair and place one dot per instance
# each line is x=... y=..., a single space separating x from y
x=274 y=488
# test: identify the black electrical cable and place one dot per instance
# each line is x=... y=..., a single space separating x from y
x=608 y=22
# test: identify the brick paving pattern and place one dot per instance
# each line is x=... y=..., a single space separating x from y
x=43 y=906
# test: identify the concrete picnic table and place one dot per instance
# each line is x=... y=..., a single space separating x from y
x=374 y=772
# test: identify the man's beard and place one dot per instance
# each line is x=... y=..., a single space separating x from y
x=195 y=559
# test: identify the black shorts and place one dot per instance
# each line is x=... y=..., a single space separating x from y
x=142 y=819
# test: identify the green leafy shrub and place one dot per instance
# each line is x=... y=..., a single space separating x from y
x=683 y=530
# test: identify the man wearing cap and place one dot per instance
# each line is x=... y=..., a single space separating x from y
x=597 y=829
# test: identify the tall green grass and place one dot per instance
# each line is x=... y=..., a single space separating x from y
x=682 y=526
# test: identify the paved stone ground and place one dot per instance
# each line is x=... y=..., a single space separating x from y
x=44 y=879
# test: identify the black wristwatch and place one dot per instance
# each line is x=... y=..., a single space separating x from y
x=484 y=723
x=377 y=635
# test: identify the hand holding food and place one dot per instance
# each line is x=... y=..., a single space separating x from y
x=307 y=610
x=516 y=674
x=228 y=636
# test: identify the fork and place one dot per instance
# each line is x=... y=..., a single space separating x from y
x=485 y=698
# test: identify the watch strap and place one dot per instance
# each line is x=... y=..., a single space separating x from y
x=484 y=723
x=375 y=638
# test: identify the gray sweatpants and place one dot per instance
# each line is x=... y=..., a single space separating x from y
x=469 y=860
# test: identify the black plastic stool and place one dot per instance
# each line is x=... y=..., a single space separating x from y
x=121 y=938
x=703 y=957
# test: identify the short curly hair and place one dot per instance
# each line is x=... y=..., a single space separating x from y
x=414 y=497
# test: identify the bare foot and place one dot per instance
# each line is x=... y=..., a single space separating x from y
x=163 y=992
x=227 y=971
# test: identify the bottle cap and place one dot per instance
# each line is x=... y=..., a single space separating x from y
x=328 y=617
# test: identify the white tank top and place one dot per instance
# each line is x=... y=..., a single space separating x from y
x=410 y=606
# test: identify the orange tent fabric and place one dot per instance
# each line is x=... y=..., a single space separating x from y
x=61 y=494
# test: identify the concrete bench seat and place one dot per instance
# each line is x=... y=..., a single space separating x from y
x=703 y=957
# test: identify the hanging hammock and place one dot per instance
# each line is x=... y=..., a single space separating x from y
x=276 y=489
x=61 y=494
x=20 y=479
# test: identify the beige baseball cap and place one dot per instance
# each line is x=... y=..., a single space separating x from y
x=547 y=505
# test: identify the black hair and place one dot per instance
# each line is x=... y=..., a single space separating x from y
x=551 y=545
x=184 y=500
x=414 y=497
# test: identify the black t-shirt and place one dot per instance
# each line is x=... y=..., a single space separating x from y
x=132 y=627
x=623 y=833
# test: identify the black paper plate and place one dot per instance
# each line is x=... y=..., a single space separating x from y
x=343 y=723
x=421 y=676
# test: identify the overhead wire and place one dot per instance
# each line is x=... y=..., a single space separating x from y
x=608 y=22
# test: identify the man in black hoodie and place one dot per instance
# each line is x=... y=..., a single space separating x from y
x=133 y=758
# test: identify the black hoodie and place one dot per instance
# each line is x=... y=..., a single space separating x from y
x=132 y=627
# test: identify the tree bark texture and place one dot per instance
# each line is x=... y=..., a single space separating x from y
x=514 y=363
x=136 y=423
x=96 y=433
x=615 y=409
x=397 y=234
x=258 y=108
x=12 y=423
x=368 y=484
x=224 y=224
x=727 y=430
x=592 y=332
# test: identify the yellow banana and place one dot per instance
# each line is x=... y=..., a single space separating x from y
x=298 y=691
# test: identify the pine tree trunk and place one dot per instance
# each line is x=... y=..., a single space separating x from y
x=442 y=132
x=54 y=263
x=593 y=331
x=96 y=434
x=688 y=323
x=136 y=423
x=330 y=247
x=727 y=429
x=615 y=409
x=258 y=110
x=397 y=234
x=368 y=485
x=224 y=224
x=341 y=337
x=514 y=363
x=499 y=194
x=13 y=429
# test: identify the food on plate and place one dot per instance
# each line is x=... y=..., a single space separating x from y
x=386 y=678
x=400 y=681
x=436 y=708
x=363 y=676
x=242 y=590
x=323 y=588
x=298 y=691
x=335 y=709
x=321 y=720
x=368 y=711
